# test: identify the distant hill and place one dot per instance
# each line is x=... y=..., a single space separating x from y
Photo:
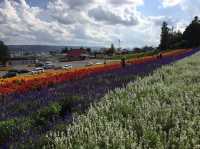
x=42 y=48
x=35 y=48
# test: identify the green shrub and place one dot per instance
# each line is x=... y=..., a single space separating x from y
x=14 y=127
x=68 y=105
x=6 y=129
x=43 y=116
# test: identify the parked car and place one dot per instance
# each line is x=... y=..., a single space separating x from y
x=89 y=64
x=10 y=75
x=49 y=66
x=22 y=71
x=68 y=66
x=39 y=65
x=98 y=63
x=37 y=70
x=13 y=70
x=57 y=68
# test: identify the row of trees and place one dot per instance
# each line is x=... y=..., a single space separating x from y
x=66 y=49
x=171 y=39
x=4 y=53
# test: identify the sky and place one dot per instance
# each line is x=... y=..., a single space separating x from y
x=135 y=23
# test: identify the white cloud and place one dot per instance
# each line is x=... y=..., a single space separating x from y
x=170 y=3
x=113 y=17
x=191 y=7
x=125 y=2
x=158 y=20
x=79 y=22
x=21 y=24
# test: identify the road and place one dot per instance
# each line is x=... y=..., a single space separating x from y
x=78 y=64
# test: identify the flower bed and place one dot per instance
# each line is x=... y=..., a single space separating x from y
x=158 y=111
x=25 y=83
x=26 y=116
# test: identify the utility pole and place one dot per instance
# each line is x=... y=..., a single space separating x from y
x=119 y=44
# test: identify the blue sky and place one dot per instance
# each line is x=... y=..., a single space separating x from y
x=40 y=3
x=92 y=22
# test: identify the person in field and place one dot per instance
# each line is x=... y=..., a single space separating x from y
x=123 y=62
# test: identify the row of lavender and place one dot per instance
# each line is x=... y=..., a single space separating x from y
x=25 y=117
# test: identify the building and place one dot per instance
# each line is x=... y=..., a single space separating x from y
x=22 y=61
x=121 y=52
x=77 y=54
x=16 y=53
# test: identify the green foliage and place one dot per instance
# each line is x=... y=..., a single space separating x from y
x=111 y=50
x=6 y=129
x=192 y=33
x=13 y=127
x=164 y=42
x=135 y=55
x=37 y=120
x=68 y=105
x=175 y=39
x=4 y=53
x=65 y=50
x=159 y=111
x=47 y=114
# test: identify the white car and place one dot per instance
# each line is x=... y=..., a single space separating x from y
x=89 y=64
x=99 y=63
x=37 y=70
x=67 y=67
x=48 y=63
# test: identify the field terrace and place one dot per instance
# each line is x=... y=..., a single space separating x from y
x=28 y=113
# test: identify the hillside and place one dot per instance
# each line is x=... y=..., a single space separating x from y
x=158 y=111
x=35 y=48
x=43 y=48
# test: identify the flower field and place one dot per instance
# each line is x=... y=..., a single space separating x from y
x=159 y=111
x=25 y=83
x=34 y=105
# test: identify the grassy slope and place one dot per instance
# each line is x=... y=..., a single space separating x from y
x=135 y=55
x=159 y=111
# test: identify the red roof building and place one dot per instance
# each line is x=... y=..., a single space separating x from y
x=77 y=54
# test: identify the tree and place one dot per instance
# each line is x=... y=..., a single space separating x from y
x=192 y=33
x=82 y=48
x=89 y=50
x=147 y=48
x=164 y=42
x=137 y=50
x=4 y=53
x=176 y=40
x=111 y=50
x=65 y=50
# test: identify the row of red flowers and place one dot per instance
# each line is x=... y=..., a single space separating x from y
x=22 y=84
x=26 y=83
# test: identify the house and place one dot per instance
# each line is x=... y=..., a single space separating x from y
x=99 y=55
x=125 y=51
x=22 y=61
x=77 y=54
x=121 y=51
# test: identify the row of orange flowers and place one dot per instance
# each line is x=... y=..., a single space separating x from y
x=25 y=83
